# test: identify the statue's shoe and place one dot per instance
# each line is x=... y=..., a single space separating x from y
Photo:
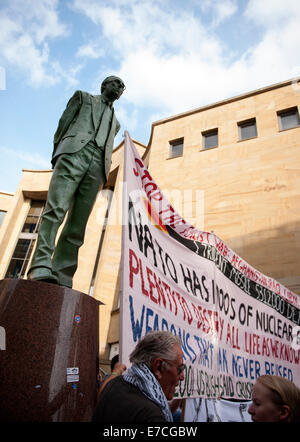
x=42 y=274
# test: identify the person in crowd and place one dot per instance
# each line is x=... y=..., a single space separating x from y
x=113 y=362
x=116 y=369
x=142 y=393
x=275 y=399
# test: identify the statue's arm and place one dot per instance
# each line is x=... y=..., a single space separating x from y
x=67 y=117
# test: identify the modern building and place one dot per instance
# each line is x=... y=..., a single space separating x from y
x=232 y=167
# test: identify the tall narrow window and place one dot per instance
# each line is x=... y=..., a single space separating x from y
x=210 y=138
x=22 y=253
x=2 y=215
x=176 y=148
x=288 y=118
x=247 y=129
x=114 y=350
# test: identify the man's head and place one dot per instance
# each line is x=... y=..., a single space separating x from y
x=112 y=88
x=113 y=362
x=161 y=352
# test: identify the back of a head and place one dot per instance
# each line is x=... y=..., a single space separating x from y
x=155 y=344
x=284 y=392
x=113 y=362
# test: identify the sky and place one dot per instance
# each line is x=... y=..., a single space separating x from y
x=173 y=55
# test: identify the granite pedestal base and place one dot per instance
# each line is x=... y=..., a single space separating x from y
x=49 y=367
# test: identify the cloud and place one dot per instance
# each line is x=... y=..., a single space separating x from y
x=26 y=31
x=70 y=75
x=90 y=50
x=143 y=25
x=164 y=56
x=128 y=116
x=272 y=12
x=176 y=60
x=221 y=10
x=276 y=56
x=28 y=159
x=224 y=9
x=15 y=161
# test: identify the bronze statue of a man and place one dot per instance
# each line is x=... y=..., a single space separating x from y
x=81 y=160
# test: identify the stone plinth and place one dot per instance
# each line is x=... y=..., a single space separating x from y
x=49 y=330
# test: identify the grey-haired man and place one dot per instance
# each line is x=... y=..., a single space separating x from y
x=142 y=393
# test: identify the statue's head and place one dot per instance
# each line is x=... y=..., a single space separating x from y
x=112 y=87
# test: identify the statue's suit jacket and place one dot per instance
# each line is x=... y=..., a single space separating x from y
x=78 y=125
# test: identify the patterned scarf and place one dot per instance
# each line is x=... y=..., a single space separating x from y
x=141 y=377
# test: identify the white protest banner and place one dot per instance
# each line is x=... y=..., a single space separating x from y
x=234 y=323
x=216 y=410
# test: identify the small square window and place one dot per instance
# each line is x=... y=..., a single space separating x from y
x=176 y=148
x=210 y=138
x=288 y=118
x=247 y=129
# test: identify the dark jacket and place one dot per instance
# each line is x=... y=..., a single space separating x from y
x=78 y=125
x=123 y=402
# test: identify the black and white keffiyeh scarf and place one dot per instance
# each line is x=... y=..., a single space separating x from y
x=141 y=377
